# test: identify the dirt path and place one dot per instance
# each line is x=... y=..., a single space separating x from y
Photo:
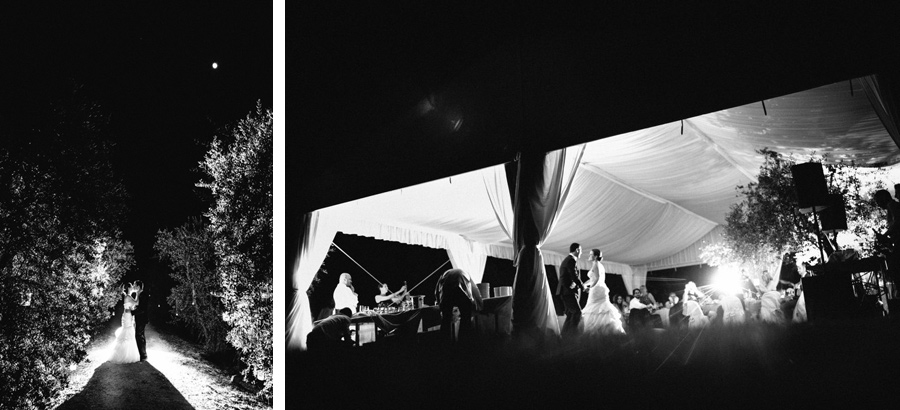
x=175 y=376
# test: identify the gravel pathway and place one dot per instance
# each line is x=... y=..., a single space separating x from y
x=175 y=376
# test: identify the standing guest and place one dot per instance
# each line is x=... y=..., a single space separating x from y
x=732 y=310
x=331 y=333
x=770 y=308
x=344 y=294
x=789 y=274
x=887 y=242
x=696 y=318
x=766 y=282
x=569 y=285
x=692 y=292
x=748 y=287
x=884 y=201
x=455 y=289
x=799 y=315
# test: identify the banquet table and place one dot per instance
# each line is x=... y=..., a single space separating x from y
x=368 y=326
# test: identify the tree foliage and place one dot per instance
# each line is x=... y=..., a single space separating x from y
x=241 y=223
x=189 y=251
x=61 y=253
x=767 y=222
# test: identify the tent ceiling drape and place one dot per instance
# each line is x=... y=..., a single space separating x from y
x=648 y=194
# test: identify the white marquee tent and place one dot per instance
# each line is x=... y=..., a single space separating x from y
x=649 y=198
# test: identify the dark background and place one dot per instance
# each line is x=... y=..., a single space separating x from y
x=149 y=66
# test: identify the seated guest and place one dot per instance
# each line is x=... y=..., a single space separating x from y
x=331 y=332
x=639 y=312
x=696 y=318
x=732 y=310
x=385 y=298
x=788 y=303
x=676 y=318
x=344 y=294
x=455 y=289
x=626 y=308
x=647 y=297
x=770 y=308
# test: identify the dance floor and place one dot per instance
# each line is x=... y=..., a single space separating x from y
x=850 y=362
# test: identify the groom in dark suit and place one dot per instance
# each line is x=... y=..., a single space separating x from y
x=569 y=281
x=141 y=318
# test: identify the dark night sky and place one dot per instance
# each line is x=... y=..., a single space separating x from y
x=149 y=65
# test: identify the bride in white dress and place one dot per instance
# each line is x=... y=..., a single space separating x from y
x=125 y=349
x=599 y=315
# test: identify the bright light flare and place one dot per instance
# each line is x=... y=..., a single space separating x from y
x=728 y=280
x=215 y=65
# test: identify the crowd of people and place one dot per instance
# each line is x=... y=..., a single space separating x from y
x=769 y=299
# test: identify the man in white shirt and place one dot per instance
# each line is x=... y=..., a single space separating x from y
x=344 y=294
x=640 y=312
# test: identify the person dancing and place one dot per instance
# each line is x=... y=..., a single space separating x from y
x=599 y=315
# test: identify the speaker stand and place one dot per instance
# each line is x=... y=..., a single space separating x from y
x=819 y=240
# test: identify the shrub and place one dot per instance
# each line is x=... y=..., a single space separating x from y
x=241 y=225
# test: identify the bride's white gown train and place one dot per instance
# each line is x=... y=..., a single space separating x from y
x=599 y=315
x=125 y=349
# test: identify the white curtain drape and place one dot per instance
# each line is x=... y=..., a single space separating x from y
x=543 y=185
x=499 y=196
x=560 y=168
x=468 y=256
x=316 y=235
x=636 y=278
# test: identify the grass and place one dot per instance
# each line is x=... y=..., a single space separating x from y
x=843 y=362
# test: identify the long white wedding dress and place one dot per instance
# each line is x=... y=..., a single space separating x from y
x=125 y=349
x=599 y=315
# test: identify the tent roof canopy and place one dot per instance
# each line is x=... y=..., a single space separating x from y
x=646 y=195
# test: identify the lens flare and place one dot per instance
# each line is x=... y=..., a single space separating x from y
x=728 y=280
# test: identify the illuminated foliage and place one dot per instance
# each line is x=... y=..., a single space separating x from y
x=767 y=223
x=189 y=251
x=61 y=254
x=241 y=223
